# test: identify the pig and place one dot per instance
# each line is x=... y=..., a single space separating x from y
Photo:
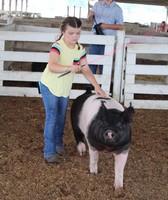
x=105 y=126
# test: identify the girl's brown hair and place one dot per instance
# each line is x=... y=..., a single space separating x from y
x=71 y=21
x=74 y=22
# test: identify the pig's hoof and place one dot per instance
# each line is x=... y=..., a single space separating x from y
x=93 y=172
x=119 y=192
x=93 y=169
x=81 y=148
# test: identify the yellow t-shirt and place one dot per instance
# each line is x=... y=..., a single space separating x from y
x=61 y=87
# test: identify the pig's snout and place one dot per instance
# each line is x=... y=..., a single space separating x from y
x=110 y=136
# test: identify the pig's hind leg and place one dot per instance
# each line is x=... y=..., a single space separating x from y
x=81 y=148
x=80 y=139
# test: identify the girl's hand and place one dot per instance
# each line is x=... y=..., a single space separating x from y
x=101 y=92
x=75 y=68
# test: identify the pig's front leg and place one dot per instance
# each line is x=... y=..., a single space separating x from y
x=120 y=161
x=94 y=157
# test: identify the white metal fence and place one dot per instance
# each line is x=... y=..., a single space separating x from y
x=7 y=55
x=124 y=50
x=133 y=87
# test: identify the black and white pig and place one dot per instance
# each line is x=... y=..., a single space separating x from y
x=105 y=125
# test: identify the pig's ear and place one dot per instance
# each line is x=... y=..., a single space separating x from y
x=128 y=114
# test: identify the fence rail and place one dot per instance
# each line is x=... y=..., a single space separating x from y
x=124 y=50
x=133 y=87
x=7 y=55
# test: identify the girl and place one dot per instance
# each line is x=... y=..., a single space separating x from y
x=66 y=55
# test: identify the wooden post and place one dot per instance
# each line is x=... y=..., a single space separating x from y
x=16 y=1
x=3 y=3
x=2 y=48
x=67 y=11
x=74 y=10
x=10 y=7
x=22 y=8
x=26 y=5
x=80 y=12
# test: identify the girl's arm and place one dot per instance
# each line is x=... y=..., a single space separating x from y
x=91 y=78
x=112 y=26
x=57 y=68
x=53 y=64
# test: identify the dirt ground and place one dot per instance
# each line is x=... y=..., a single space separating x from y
x=25 y=176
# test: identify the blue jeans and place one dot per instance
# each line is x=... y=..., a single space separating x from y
x=55 y=108
x=96 y=50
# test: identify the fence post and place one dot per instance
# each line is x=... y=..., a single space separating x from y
x=126 y=42
x=74 y=10
x=67 y=11
x=166 y=78
x=2 y=48
x=107 y=70
x=79 y=12
x=3 y=3
x=119 y=52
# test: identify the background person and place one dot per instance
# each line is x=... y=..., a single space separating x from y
x=163 y=27
x=110 y=18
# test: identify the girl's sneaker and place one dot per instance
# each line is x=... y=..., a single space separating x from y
x=61 y=151
x=51 y=160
